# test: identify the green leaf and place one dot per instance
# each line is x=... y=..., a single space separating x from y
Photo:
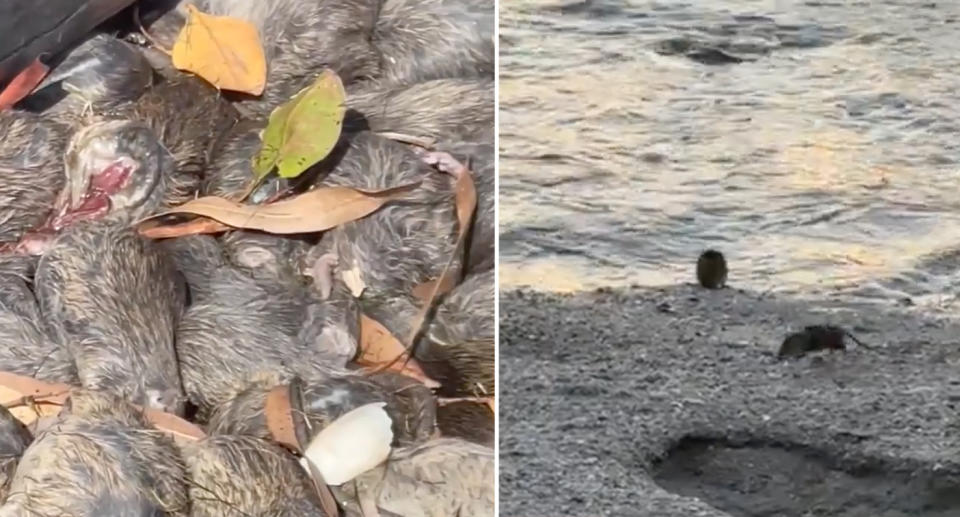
x=303 y=131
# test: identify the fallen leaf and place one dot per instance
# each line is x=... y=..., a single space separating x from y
x=195 y=227
x=23 y=84
x=29 y=399
x=304 y=130
x=277 y=413
x=354 y=280
x=378 y=347
x=223 y=50
x=314 y=211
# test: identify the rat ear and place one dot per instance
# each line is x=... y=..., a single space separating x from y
x=254 y=257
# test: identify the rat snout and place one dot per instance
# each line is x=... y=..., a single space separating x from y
x=168 y=400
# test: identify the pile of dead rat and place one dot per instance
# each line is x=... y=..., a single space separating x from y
x=221 y=371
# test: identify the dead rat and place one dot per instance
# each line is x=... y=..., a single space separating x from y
x=113 y=299
x=445 y=477
x=115 y=170
x=815 y=338
x=257 y=315
x=460 y=42
x=410 y=405
x=100 y=457
x=468 y=420
x=457 y=348
x=400 y=246
x=26 y=347
x=246 y=475
x=712 y=269
x=31 y=171
x=446 y=110
x=188 y=117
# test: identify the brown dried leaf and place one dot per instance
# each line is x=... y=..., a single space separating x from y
x=378 y=346
x=198 y=226
x=314 y=211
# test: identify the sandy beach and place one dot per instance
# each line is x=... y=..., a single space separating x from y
x=670 y=402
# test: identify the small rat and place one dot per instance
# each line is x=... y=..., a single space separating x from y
x=712 y=269
x=814 y=338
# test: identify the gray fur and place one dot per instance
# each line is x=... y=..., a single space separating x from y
x=257 y=321
x=25 y=345
x=411 y=405
x=230 y=170
x=31 y=171
x=446 y=477
x=188 y=116
x=467 y=420
x=421 y=40
x=403 y=244
x=197 y=257
x=148 y=184
x=100 y=458
x=245 y=476
x=113 y=299
x=458 y=347
x=448 y=110
x=406 y=242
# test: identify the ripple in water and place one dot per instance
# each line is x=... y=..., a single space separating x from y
x=815 y=143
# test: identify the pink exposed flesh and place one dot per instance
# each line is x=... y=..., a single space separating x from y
x=111 y=179
x=96 y=201
x=93 y=205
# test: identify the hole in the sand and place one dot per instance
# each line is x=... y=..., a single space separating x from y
x=766 y=480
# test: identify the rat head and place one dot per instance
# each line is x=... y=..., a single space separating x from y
x=272 y=254
x=114 y=168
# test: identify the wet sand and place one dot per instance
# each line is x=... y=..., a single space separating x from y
x=670 y=402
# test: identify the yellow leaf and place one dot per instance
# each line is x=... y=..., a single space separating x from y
x=225 y=51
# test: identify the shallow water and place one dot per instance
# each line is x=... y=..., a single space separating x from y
x=825 y=161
